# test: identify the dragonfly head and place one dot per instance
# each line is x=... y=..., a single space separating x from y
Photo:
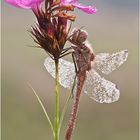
x=79 y=36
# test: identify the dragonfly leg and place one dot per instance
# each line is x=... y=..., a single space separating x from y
x=65 y=54
x=76 y=70
x=65 y=50
x=72 y=42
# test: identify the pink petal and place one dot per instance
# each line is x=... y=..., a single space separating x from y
x=12 y=2
x=26 y=4
x=68 y=2
x=87 y=9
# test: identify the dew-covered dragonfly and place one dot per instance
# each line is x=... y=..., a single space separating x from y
x=95 y=86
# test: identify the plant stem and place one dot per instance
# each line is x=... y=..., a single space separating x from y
x=56 y=100
x=64 y=111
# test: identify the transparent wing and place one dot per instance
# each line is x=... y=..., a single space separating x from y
x=107 y=63
x=66 y=71
x=100 y=89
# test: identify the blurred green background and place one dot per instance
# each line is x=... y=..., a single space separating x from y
x=113 y=28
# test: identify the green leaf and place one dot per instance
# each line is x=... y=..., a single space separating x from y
x=43 y=108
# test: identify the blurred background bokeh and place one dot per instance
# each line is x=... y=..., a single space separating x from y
x=113 y=28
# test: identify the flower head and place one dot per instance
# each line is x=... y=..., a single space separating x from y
x=26 y=4
x=74 y=3
x=51 y=32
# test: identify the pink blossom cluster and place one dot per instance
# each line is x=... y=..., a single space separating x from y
x=33 y=4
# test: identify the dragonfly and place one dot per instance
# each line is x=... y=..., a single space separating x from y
x=84 y=66
x=95 y=85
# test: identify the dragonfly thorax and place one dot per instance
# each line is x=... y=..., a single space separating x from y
x=83 y=57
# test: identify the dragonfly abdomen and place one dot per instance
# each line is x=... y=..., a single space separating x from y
x=80 y=82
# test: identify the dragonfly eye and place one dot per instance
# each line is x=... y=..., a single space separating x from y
x=79 y=36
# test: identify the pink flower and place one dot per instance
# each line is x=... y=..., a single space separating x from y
x=26 y=4
x=87 y=9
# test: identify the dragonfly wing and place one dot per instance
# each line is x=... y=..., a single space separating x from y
x=100 y=89
x=107 y=63
x=66 y=71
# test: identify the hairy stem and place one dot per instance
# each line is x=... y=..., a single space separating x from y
x=56 y=100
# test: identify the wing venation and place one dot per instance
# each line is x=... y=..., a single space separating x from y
x=66 y=71
x=100 y=89
x=107 y=63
